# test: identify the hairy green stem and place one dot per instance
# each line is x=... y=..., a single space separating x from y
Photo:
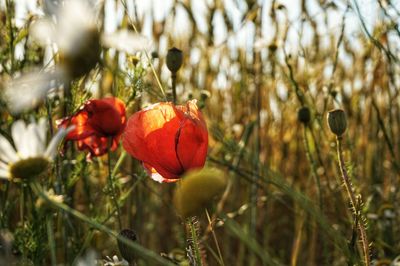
x=195 y=241
x=353 y=201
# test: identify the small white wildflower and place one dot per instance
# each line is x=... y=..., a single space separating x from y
x=114 y=261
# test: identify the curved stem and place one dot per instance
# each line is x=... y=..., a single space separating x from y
x=112 y=186
x=149 y=255
x=353 y=201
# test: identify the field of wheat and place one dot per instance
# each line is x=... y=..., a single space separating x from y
x=226 y=132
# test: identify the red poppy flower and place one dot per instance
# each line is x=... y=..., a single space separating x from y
x=168 y=139
x=98 y=125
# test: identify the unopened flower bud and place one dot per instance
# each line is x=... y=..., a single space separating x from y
x=197 y=189
x=174 y=59
x=84 y=57
x=154 y=54
x=304 y=115
x=126 y=251
x=205 y=94
x=337 y=122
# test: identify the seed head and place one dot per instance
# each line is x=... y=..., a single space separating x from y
x=126 y=251
x=174 y=59
x=337 y=122
x=304 y=115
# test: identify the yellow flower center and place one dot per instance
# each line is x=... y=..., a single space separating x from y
x=29 y=168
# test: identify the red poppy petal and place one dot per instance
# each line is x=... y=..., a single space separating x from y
x=150 y=137
x=81 y=128
x=119 y=106
x=192 y=144
x=167 y=139
x=95 y=123
x=104 y=117
x=162 y=176
x=97 y=146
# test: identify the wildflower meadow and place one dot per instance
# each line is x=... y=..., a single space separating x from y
x=211 y=132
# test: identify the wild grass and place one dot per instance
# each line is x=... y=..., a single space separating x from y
x=252 y=66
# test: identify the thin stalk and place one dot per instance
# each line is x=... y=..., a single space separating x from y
x=10 y=17
x=143 y=252
x=50 y=237
x=3 y=203
x=22 y=204
x=112 y=186
x=153 y=70
x=215 y=239
x=256 y=162
x=119 y=163
x=353 y=201
x=173 y=77
x=313 y=167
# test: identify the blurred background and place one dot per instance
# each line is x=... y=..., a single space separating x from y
x=251 y=65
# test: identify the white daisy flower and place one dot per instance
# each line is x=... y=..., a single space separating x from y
x=31 y=156
x=79 y=42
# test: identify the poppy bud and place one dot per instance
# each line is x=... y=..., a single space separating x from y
x=84 y=57
x=154 y=54
x=272 y=47
x=304 y=115
x=126 y=251
x=205 y=94
x=174 y=59
x=197 y=189
x=337 y=122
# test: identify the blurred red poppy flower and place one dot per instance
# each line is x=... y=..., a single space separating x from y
x=168 y=139
x=98 y=125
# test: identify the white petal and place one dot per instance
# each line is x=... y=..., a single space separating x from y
x=33 y=143
x=23 y=147
x=42 y=129
x=4 y=174
x=3 y=166
x=7 y=152
x=18 y=134
x=126 y=41
x=55 y=141
x=43 y=31
x=29 y=90
x=38 y=136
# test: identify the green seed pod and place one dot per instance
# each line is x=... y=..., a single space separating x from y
x=197 y=189
x=154 y=55
x=337 y=122
x=304 y=115
x=174 y=59
x=126 y=251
